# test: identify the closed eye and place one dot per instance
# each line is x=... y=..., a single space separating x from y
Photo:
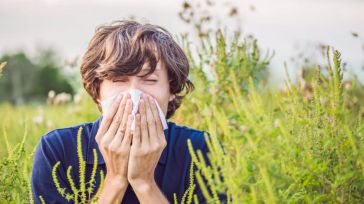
x=125 y=80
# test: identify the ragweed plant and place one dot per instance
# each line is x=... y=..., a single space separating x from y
x=189 y=193
x=286 y=147
x=14 y=183
x=78 y=195
x=211 y=66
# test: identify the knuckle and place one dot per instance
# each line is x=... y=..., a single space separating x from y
x=112 y=148
x=150 y=121
x=104 y=144
x=154 y=148
x=123 y=126
x=121 y=131
x=117 y=120
x=120 y=151
x=97 y=139
x=163 y=144
x=143 y=152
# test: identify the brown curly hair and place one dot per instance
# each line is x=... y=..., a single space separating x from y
x=122 y=48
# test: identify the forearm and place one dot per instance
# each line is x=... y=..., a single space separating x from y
x=113 y=191
x=149 y=193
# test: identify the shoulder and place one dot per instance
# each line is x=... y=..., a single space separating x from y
x=61 y=143
x=65 y=132
x=180 y=134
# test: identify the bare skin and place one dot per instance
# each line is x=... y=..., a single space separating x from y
x=132 y=158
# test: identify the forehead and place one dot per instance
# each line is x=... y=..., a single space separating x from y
x=146 y=67
x=158 y=71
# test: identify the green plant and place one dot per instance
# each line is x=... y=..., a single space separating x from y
x=187 y=196
x=81 y=192
x=287 y=147
x=14 y=183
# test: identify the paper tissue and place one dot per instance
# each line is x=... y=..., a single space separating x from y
x=135 y=95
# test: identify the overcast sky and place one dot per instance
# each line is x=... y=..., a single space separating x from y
x=286 y=26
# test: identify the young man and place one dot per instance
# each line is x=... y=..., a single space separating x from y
x=149 y=164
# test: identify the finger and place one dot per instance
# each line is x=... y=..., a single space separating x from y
x=158 y=122
x=128 y=136
x=111 y=132
x=118 y=118
x=136 y=136
x=120 y=133
x=153 y=136
x=108 y=118
x=124 y=123
x=143 y=123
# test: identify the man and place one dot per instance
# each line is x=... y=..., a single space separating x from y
x=149 y=164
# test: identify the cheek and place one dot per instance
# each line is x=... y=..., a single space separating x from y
x=162 y=99
x=107 y=89
x=160 y=93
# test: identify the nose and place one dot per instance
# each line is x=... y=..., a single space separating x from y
x=134 y=83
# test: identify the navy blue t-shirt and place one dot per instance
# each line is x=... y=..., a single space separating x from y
x=171 y=173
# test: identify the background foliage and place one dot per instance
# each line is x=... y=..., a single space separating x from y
x=302 y=143
x=299 y=144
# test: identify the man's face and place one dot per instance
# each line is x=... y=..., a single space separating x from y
x=155 y=84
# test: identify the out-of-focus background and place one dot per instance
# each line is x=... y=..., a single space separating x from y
x=60 y=31
x=279 y=83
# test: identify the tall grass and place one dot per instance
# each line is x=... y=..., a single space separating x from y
x=300 y=145
x=287 y=147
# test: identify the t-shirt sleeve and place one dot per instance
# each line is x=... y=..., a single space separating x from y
x=45 y=157
x=198 y=191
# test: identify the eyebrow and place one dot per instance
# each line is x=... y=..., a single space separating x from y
x=147 y=70
x=156 y=72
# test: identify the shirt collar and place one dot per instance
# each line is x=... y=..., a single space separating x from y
x=93 y=145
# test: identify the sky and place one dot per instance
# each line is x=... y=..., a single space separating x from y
x=286 y=26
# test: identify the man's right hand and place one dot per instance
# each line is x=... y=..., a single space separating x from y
x=114 y=139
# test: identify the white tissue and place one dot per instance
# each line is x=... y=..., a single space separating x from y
x=135 y=97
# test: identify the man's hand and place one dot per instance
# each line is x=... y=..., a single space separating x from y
x=148 y=143
x=114 y=139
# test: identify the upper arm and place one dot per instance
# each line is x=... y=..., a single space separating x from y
x=45 y=157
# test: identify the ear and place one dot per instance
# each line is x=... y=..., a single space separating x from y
x=171 y=97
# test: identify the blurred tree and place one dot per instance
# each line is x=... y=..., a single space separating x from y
x=25 y=80
x=18 y=79
x=50 y=76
